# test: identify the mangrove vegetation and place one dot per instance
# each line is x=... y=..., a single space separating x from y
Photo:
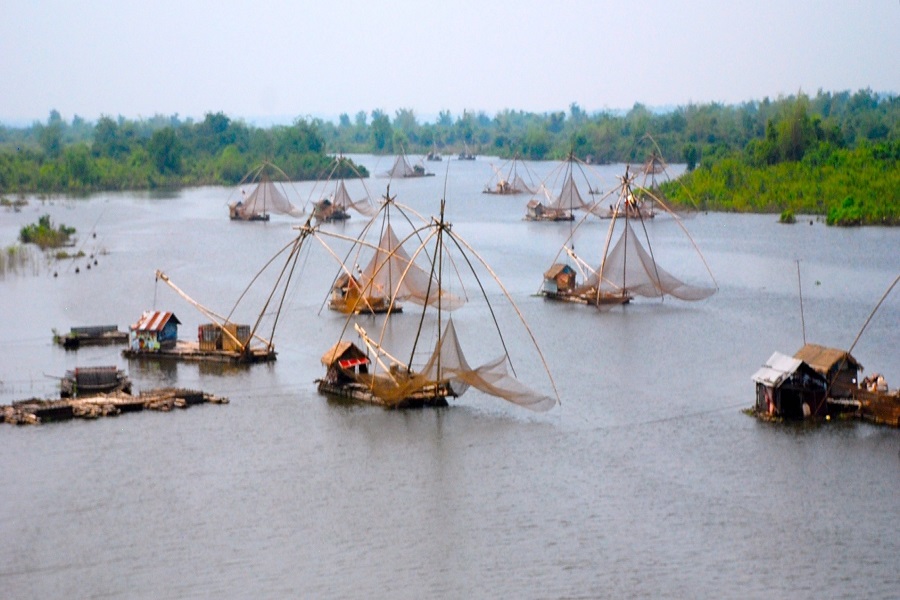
x=832 y=154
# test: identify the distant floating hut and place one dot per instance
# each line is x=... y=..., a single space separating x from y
x=154 y=331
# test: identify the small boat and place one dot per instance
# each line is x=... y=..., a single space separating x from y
x=626 y=270
x=266 y=197
x=465 y=154
x=87 y=381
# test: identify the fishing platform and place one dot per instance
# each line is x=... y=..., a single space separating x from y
x=36 y=411
x=94 y=335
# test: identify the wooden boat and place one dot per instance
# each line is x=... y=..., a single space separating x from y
x=377 y=376
x=626 y=269
x=83 y=381
x=266 y=197
x=94 y=335
x=507 y=180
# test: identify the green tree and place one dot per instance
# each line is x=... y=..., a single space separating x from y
x=166 y=151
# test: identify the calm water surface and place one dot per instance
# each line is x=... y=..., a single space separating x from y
x=647 y=481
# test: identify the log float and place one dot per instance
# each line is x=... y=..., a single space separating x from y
x=35 y=411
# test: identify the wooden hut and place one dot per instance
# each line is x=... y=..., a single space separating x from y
x=788 y=387
x=838 y=367
x=154 y=331
x=344 y=360
x=559 y=279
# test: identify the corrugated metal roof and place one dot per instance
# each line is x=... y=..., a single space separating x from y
x=822 y=358
x=778 y=368
x=154 y=321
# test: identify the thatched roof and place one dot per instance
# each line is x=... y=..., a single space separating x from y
x=824 y=359
x=343 y=350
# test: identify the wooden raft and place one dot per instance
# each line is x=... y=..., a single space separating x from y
x=35 y=411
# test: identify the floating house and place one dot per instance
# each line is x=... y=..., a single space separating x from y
x=154 y=331
x=345 y=362
x=838 y=367
x=789 y=388
x=559 y=280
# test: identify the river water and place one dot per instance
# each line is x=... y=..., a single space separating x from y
x=647 y=480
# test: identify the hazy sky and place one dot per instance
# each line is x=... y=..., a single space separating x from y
x=281 y=59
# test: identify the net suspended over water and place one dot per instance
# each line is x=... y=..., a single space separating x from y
x=341 y=199
x=401 y=168
x=447 y=364
x=391 y=272
x=267 y=198
x=629 y=267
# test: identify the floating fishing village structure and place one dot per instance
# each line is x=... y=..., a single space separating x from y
x=36 y=411
x=266 y=197
x=334 y=202
x=86 y=381
x=822 y=382
x=155 y=336
x=95 y=335
x=402 y=169
x=627 y=268
x=378 y=376
x=507 y=180
x=547 y=206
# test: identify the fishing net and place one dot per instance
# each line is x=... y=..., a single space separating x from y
x=266 y=198
x=384 y=276
x=629 y=267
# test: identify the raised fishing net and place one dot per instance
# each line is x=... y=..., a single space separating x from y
x=391 y=272
x=266 y=198
x=401 y=168
x=519 y=185
x=629 y=267
x=448 y=365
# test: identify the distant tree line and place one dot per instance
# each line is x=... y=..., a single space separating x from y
x=810 y=154
x=160 y=152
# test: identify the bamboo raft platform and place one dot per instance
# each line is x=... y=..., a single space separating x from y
x=36 y=411
x=357 y=392
x=97 y=335
x=879 y=407
x=191 y=351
